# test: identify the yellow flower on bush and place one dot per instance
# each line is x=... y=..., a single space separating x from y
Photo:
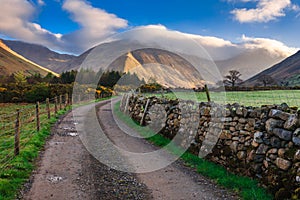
x=2 y=89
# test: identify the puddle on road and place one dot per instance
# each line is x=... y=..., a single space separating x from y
x=72 y=134
x=69 y=129
x=54 y=179
x=68 y=134
x=56 y=143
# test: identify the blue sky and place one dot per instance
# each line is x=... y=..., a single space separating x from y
x=70 y=25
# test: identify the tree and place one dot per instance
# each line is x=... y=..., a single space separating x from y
x=34 y=79
x=68 y=77
x=130 y=79
x=20 y=78
x=109 y=78
x=233 y=78
x=267 y=80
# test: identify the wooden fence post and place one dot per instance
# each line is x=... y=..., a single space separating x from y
x=207 y=92
x=55 y=105
x=37 y=112
x=145 y=111
x=60 y=102
x=48 y=108
x=66 y=100
x=17 y=133
x=71 y=100
x=126 y=105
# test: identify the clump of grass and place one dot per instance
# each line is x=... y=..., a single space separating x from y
x=246 y=187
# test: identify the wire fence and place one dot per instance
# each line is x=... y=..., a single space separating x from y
x=18 y=126
x=19 y=123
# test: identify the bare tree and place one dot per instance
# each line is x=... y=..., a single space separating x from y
x=232 y=78
x=267 y=80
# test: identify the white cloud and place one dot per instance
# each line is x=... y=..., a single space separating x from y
x=41 y=2
x=266 y=10
x=94 y=19
x=16 y=16
x=275 y=47
x=217 y=48
x=220 y=49
x=295 y=7
x=96 y=24
x=244 y=1
x=211 y=41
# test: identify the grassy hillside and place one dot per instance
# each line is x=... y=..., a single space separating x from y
x=11 y=62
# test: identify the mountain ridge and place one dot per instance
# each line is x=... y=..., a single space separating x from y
x=249 y=63
x=12 y=62
x=281 y=72
x=167 y=68
x=41 y=55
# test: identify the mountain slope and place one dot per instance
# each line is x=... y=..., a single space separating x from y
x=11 y=62
x=285 y=71
x=42 y=55
x=249 y=63
x=165 y=67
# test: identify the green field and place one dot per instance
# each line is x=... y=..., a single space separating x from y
x=246 y=98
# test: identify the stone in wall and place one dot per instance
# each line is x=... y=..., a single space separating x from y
x=263 y=143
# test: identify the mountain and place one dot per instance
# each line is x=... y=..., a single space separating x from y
x=11 y=62
x=287 y=72
x=42 y=55
x=249 y=63
x=167 y=68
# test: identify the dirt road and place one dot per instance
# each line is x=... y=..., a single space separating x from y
x=68 y=171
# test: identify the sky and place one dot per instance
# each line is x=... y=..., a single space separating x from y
x=73 y=26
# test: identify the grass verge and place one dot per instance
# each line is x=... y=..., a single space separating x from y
x=246 y=187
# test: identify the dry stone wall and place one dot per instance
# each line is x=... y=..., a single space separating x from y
x=260 y=142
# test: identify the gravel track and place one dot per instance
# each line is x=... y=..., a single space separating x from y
x=66 y=170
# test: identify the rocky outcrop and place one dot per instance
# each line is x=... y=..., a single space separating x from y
x=260 y=142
